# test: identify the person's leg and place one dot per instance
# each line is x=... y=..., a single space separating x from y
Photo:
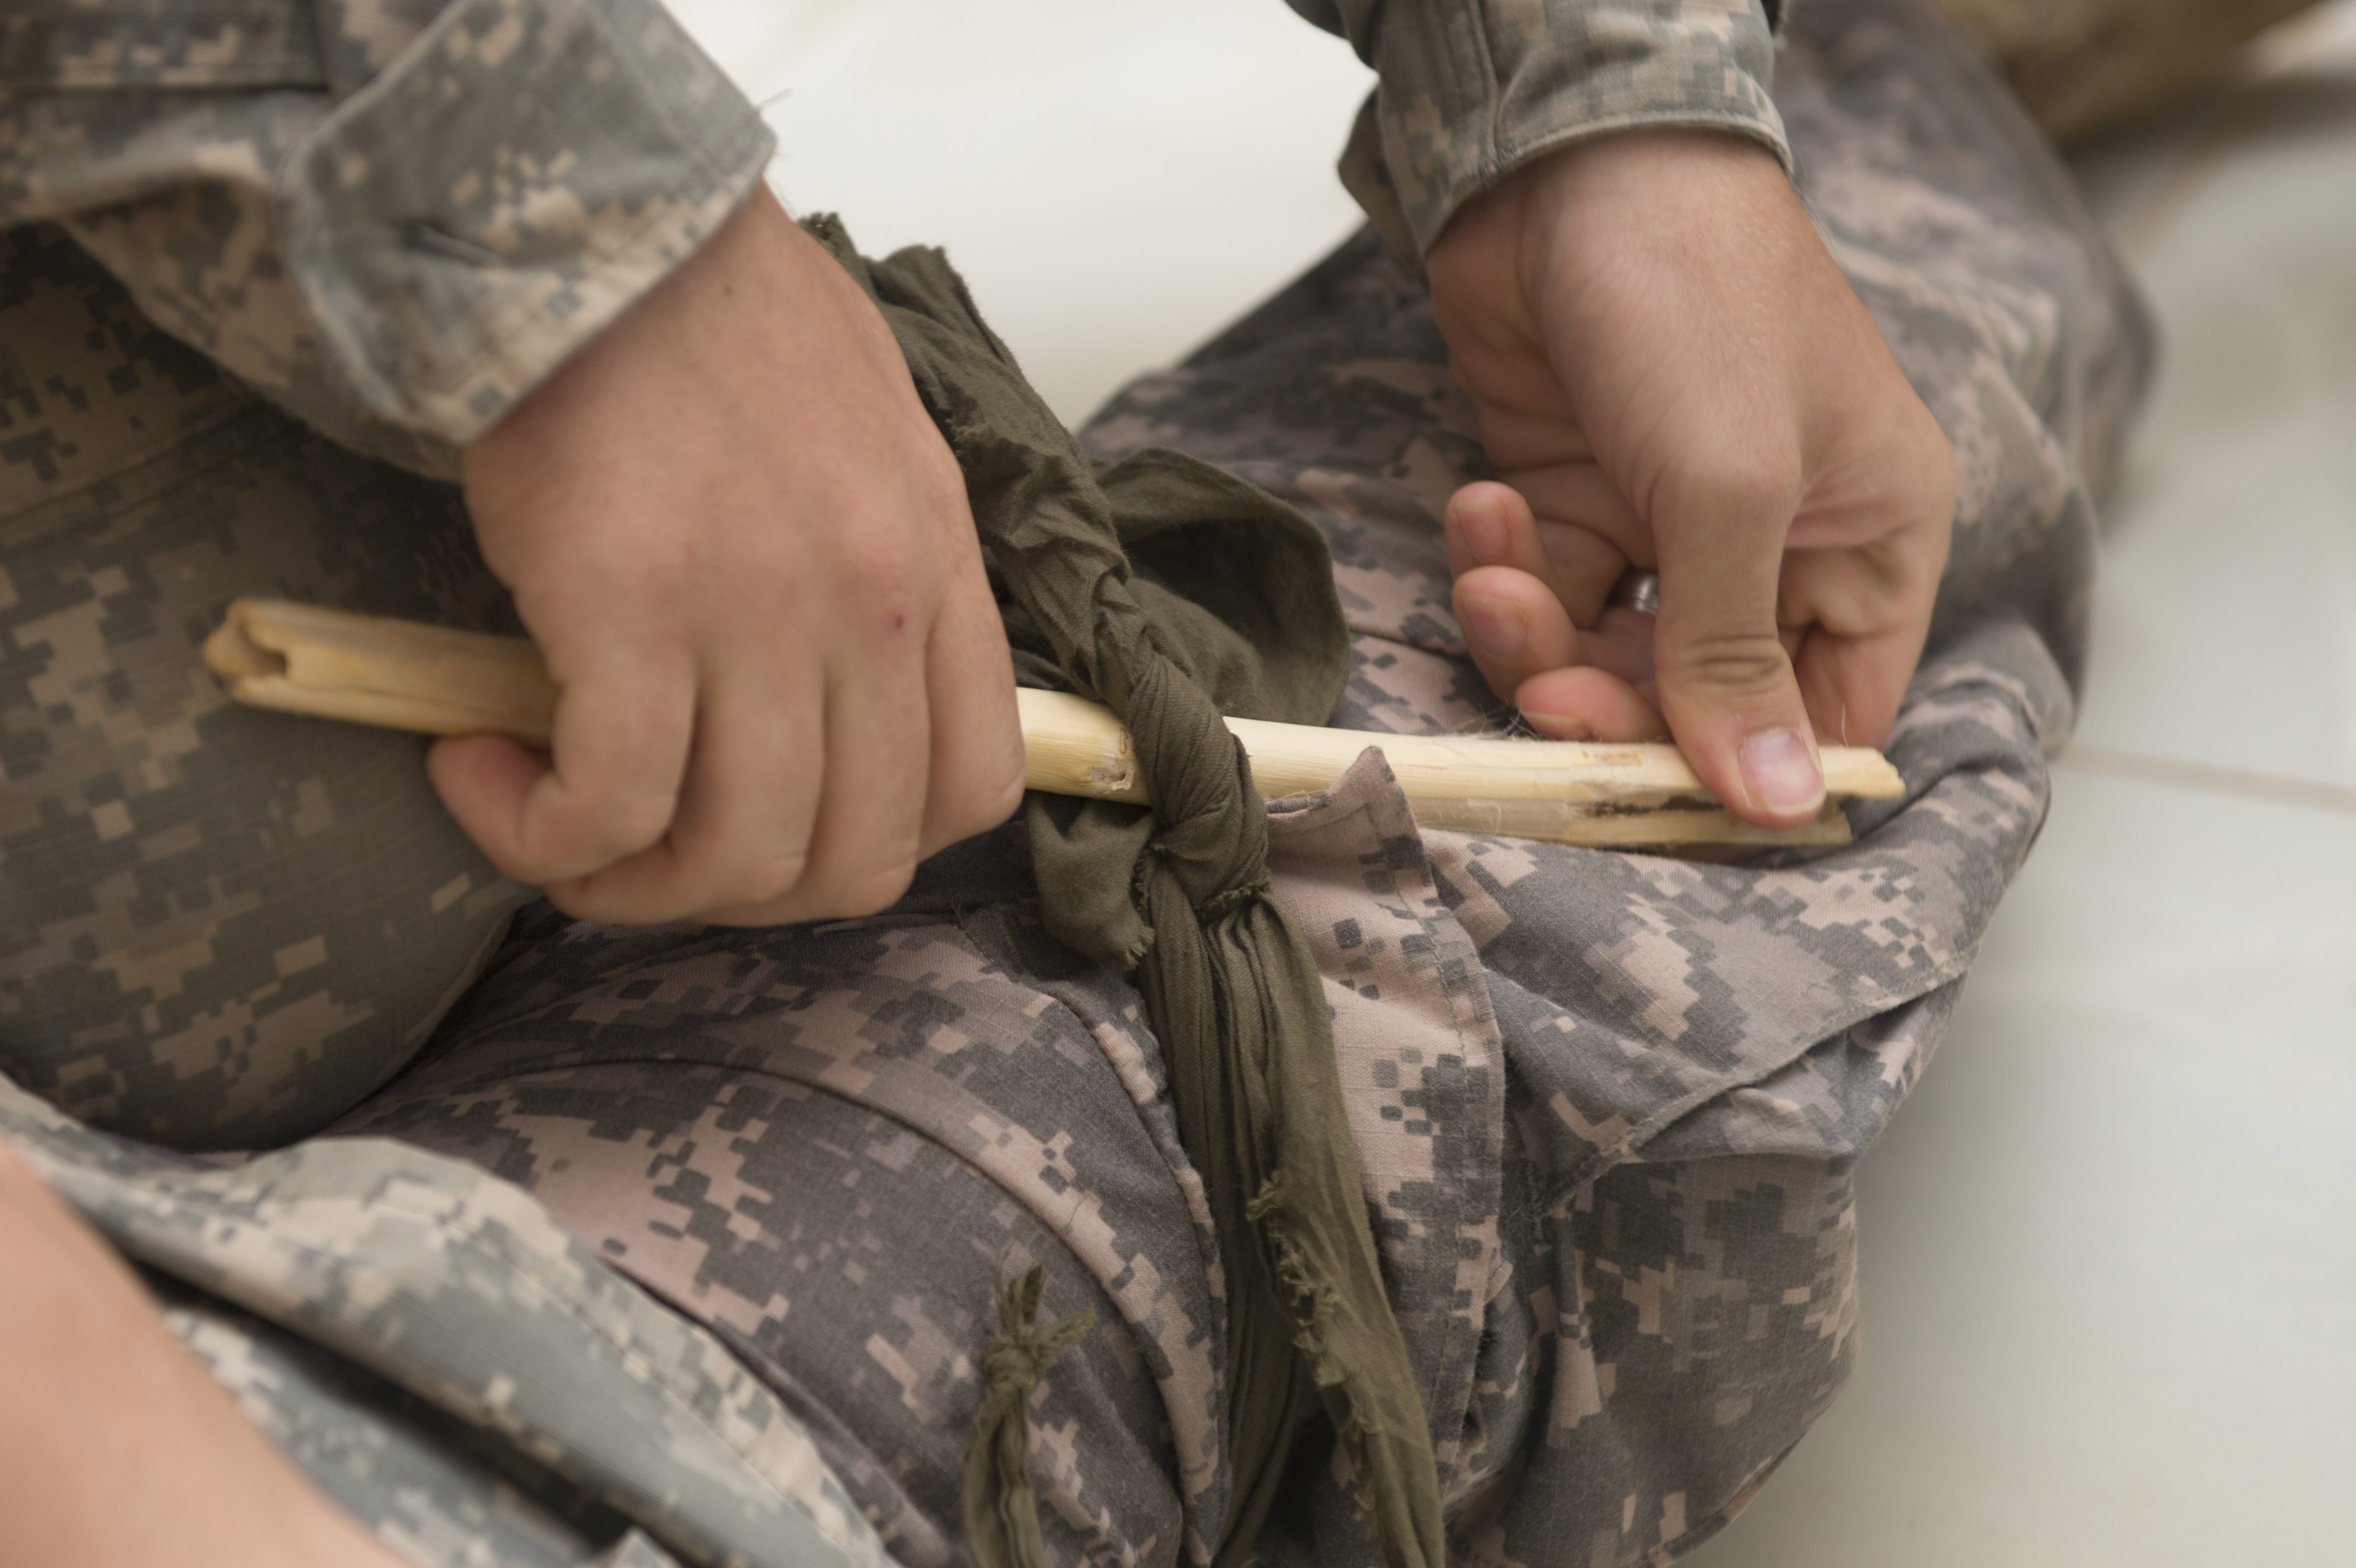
x=218 y=927
x=825 y=1144
x=1695 y=1055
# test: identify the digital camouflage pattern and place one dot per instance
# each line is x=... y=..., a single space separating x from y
x=1470 y=92
x=1608 y=1105
x=260 y=175
x=197 y=898
x=460 y=1292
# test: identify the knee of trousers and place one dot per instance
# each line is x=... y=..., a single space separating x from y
x=219 y=928
x=847 y=1257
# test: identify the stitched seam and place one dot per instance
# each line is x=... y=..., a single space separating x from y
x=144 y=478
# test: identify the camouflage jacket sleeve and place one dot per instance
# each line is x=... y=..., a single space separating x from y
x=393 y=216
x=1471 y=89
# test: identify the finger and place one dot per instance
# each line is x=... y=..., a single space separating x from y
x=747 y=811
x=1514 y=627
x=608 y=788
x=483 y=781
x=1726 y=682
x=1490 y=523
x=1583 y=493
x=868 y=835
x=1589 y=704
x=977 y=734
x=1526 y=434
x=1868 y=610
x=1853 y=685
x=1621 y=642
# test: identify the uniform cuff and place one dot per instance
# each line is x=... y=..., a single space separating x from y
x=522 y=173
x=1471 y=93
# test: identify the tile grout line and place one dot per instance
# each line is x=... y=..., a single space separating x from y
x=2204 y=778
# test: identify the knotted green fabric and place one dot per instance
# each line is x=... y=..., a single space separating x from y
x=1001 y=1516
x=1171 y=592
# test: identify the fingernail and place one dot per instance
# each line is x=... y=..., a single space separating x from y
x=1779 y=771
x=1494 y=625
x=1559 y=726
x=1483 y=532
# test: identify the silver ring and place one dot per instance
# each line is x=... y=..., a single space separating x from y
x=1637 y=589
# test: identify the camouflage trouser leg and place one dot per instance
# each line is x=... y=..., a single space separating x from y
x=217 y=928
x=825 y=1143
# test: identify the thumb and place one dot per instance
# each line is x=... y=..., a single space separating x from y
x=1725 y=678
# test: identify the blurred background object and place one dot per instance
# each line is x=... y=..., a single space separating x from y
x=2083 y=65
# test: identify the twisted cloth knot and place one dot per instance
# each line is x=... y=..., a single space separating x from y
x=1002 y=1518
x=1174 y=593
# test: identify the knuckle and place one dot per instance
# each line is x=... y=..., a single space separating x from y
x=873 y=889
x=886 y=560
x=763 y=879
x=1734 y=665
x=943 y=482
x=625 y=825
x=1742 y=483
x=980 y=810
x=572 y=852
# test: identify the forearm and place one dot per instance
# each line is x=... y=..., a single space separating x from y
x=396 y=228
x=117 y=1450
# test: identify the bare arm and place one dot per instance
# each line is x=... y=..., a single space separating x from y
x=116 y=1449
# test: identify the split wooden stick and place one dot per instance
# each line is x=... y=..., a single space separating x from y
x=302 y=659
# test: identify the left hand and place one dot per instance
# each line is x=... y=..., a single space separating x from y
x=1670 y=371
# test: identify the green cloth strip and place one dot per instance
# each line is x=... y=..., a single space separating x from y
x=1173 y=592
x=1001 y=1516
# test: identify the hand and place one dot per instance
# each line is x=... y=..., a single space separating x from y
x=746 y=552
x=1669 y=371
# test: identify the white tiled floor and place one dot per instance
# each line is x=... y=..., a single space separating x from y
x=2110 y=1247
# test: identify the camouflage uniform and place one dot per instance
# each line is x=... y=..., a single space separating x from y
x=217 y=929
x=1471 y=91
x=1608 y=1105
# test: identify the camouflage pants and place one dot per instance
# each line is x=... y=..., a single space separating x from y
x=219 y=928
x=1608 y=1105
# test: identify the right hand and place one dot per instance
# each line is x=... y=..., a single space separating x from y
x=746 y=552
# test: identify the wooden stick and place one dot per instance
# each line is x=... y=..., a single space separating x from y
x=369 y=669
x=398 y=674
